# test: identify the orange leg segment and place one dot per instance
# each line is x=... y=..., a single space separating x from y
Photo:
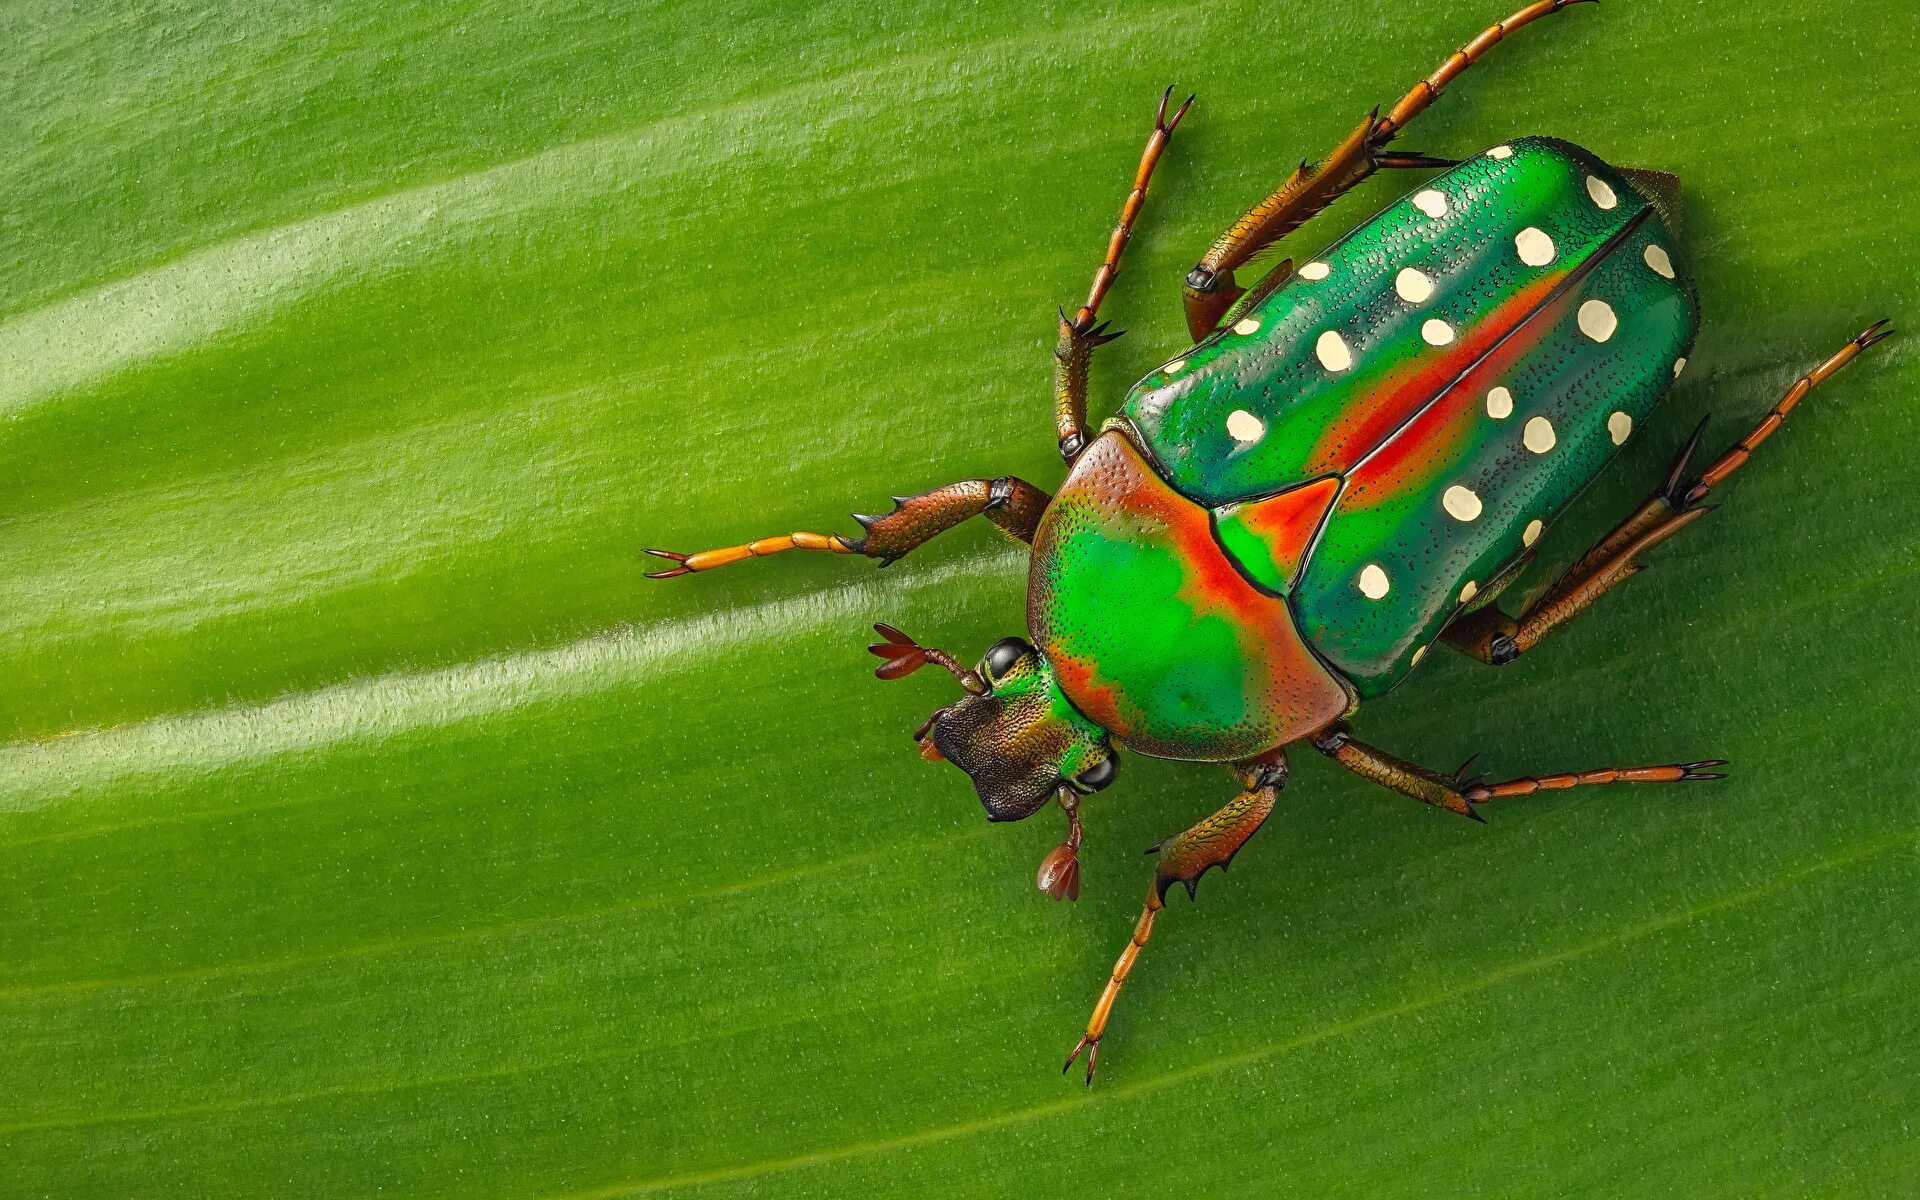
x=1079 y=337
x=1012 y=505
x=1733 y=459
x=707 y=560
x=1527 y=785
x=1459 y=792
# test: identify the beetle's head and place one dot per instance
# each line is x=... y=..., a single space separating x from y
x=1013 y=733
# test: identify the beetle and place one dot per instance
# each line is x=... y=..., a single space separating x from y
x=1349 y=463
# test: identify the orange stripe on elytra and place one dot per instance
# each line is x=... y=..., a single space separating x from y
x=1373 y=416
x=1430 y=443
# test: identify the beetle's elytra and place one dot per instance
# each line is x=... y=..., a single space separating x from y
x=1351 y=461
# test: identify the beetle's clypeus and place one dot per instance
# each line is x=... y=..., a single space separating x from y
x=1347 y=465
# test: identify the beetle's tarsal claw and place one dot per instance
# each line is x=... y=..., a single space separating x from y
x=1877 y=332
x=1092 y=1046
x=1160 y=121
x=1693 y=769
x=682 y=569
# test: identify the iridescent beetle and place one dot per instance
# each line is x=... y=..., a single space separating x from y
x=1348 y=465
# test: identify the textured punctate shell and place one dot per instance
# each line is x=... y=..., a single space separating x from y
x=1463 y=364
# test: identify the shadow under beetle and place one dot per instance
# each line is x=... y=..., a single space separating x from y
x=1350 y=462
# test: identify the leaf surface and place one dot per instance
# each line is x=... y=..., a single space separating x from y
x=371 y=825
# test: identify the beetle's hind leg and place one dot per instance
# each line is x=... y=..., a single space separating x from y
x=1013 y=505
x=1210 y=286
x=1493 y=637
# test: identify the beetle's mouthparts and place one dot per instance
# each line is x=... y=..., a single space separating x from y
x=921 y=738
x=1059 y=875
x=904 y=656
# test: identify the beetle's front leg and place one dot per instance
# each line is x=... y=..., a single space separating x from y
x=1184 y=859
x=1013 y=505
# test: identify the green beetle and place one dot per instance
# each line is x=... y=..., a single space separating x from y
x=1348 y=465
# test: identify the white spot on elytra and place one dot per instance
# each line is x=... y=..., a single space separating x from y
x=1333 y=352
x=1431 y=202
x=1597 y=320
x=1460 y=502
x=1658 y=259
x=1413 y=286
x=1373 y=581
x=1500 y=152
x=1174 y=367
x=1619 y=425
x=1437 y=332
x=1244 y=426
x=1538 y=436
x=1315 y=270
x=1532 y=532
x=1417 y=656
x=1601 y=193
x=1469 y=592
x=1245 y=326
x=1679 y=365
x=1499 y=404
x=1535 y=247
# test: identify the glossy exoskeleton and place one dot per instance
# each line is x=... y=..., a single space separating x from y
x=1348 y=464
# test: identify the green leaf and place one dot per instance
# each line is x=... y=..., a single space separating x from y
x=371 y=825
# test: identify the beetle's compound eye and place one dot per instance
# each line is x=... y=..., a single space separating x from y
x=1099 y=775
x=1001 y=657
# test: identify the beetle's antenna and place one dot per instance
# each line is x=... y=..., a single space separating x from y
x=905 y=656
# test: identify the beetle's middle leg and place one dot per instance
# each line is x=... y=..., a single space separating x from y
x=1493 y=637
x=1013 y=505
x=1210 y=287
x=1459 y=792
x=1211 y=843
x=1079 y=336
